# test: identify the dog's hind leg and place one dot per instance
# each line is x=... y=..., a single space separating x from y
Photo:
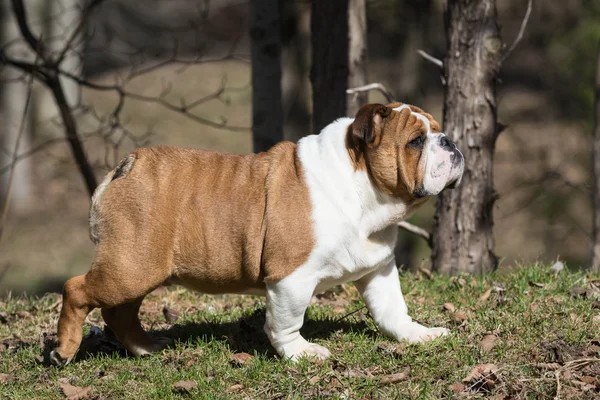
x=116 y=287
x=77 y=304
x=123 y=320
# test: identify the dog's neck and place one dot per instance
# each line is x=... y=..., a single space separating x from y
x=351 y=190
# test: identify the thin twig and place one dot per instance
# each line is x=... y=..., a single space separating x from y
x=521 y=31
x=43 y=75
x=583 y=361
x=431 y=58
x=373 y=86
x=21 y=17
x=557 y=376
x=82 y=22
x=415 y=230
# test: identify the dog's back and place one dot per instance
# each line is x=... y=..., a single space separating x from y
x=203 y=216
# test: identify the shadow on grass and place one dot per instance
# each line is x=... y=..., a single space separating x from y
x=243 y=335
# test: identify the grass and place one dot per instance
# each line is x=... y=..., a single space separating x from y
x=545 y=325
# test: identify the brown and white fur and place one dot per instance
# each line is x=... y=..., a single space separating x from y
x=287 y=223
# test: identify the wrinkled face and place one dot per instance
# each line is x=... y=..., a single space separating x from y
x=403 y=150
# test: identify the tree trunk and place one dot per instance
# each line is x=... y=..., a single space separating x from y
x=463 y=238
x=295 y=64
x=265 y=46
x=329 y=71
x=596 y=155
x=414 y=16
x=12 y=106
x=357 y=62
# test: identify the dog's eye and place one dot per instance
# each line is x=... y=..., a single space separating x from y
x=416 y=142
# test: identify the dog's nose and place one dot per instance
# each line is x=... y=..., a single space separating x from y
x=446 y=143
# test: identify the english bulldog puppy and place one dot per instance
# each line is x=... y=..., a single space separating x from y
x=287 y=223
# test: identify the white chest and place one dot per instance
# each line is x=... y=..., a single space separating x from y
x=354 y=225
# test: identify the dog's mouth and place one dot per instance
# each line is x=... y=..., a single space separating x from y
x=453 y=184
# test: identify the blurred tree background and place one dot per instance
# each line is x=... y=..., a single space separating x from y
x=168 y=54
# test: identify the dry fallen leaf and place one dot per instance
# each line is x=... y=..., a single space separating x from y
x=425 y=272
x=6 y=378
x=184 y=386
x=170 y=314
x=391 y=348
x=449 y=307
x=75 y=392
x=577 y=291
x=313 y=381
x=590 y=380
x=240 y=359
x=460 y=316
x=536 y=284
x=591 y=351
x=481 y=371
x=234 y=388
x=483 y=298
x=394 y=378
x=489 y=342
x=23 y=314
x=354 y=373
x=582 y=385
x=457 y=387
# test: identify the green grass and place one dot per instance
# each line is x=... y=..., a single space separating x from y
x=541 y=330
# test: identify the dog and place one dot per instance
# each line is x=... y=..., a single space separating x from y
x=286 y=224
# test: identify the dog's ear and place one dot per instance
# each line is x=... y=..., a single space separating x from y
x=368 y=123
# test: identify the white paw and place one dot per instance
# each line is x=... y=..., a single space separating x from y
x=421 y=334
x=311 y=351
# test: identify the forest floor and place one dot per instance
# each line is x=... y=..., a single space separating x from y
x=525 y=333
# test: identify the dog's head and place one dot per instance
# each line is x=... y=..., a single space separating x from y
x=403 y=151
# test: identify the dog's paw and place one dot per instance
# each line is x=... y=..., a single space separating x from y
x=310 y=351
x=421 y=334
x=315 y=351
x=57 y=360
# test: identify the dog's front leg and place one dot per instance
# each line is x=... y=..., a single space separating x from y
x=381 y=291
x=287 y=301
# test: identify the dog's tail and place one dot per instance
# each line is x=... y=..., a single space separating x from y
x=122 y=169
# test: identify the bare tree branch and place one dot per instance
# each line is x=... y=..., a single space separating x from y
x=21 y=17
x=86 y=13
x=416 y=230
x=431 y=58
x=50 y=72
x=373 y=86
x=521 y=31
x=52 y=80
x=71 y=131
